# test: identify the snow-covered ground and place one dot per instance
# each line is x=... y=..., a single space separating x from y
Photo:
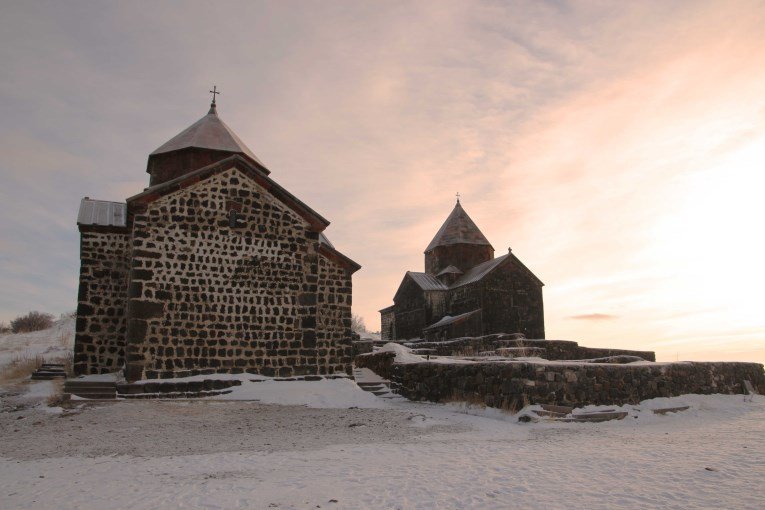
x=50 y=344
x=331 y=445
x=352 y=450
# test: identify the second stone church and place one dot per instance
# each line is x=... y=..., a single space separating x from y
x=465 y=290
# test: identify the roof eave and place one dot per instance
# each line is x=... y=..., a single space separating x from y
x=317 y=222
x=251 y=159
x=431 y=248
x=332 y=253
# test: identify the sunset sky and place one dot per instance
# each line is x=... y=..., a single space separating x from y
x=617 y=147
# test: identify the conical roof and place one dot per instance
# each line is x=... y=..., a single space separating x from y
x=458 y=229
x=209 y=132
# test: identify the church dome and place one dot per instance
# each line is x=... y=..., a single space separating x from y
x=458 y=229
x=205 y=142
x=209 y=132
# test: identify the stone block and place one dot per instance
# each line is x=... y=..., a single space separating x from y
x=141 y=274
x=146 y=309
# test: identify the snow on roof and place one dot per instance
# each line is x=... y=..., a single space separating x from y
x=102 y=213
x=448 y=319
x=404 y=355
x=209 y=132
x=450 y=270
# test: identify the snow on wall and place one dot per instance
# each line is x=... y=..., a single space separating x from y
x=511 y=385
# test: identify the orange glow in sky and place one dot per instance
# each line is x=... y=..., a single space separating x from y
x=617 y=147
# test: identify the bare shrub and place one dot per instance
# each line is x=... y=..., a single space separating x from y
x=33 y=321
x=4 y=328
x=68 y=361
x=357 y=324
x=20 y=367
x=469 y=400
x=524 y=349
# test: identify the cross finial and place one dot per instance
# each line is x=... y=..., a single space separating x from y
x=214 y=91
x=458 y=197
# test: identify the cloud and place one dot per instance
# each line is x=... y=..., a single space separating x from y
x=606 y=143
x=594 y=317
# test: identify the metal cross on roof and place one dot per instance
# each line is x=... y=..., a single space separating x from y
x=214 y=91
x=458 y=197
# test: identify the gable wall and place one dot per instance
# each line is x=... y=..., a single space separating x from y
x=388 y=325
x=207 y=298
x=512 y=302
x=99 y=342
x=436 y=305
x=410 y=310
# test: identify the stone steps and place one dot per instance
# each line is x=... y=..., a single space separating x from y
x=177 y=389
x=48 y=371
x=595 y=417
x=374 y=384
x=95 y=390
x=566 y=414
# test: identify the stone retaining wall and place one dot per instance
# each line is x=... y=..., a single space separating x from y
x=553 y=349
x=381 y=363
x=511 y=385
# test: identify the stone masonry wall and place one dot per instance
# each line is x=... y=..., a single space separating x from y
x=512 y=301
x=462 y=256
x=333 y=331
x=553 y=349
x=511 y=385
x=410 y=310
x=381 y=363
x=387 y=324
x=99 y=345
x=205 y=297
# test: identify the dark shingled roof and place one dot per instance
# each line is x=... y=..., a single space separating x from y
x=458 y=229
x=476 y=273
x=209 y=132
x=426 y=281
x=479 y=272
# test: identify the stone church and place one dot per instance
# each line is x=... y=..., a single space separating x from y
x=465 y=290
x=214 y=268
